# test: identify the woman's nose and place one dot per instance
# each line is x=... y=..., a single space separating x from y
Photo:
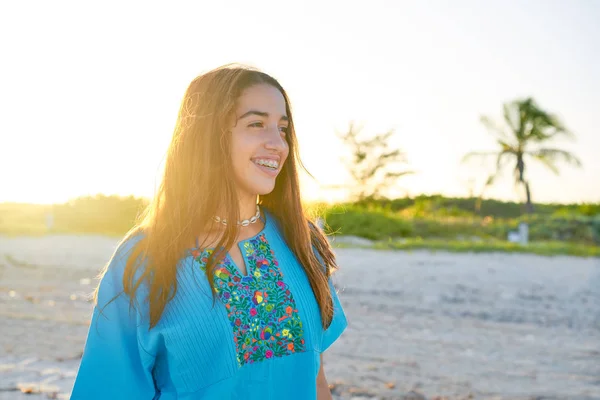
x=276 y=139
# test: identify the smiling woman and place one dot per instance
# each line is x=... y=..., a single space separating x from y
x=259 y=143
x=193 y=305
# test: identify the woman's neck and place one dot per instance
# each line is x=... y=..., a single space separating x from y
x=247 y=210
x=247 y=207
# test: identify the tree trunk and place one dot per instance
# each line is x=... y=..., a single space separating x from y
x=529 y=204
x=478 y=202
x=521 y=170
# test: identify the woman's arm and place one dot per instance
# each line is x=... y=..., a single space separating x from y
x=323 y=392
x=114 y=364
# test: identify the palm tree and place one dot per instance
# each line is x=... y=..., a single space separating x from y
x=526 y=128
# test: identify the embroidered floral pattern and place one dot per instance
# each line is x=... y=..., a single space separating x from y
x=260 y=306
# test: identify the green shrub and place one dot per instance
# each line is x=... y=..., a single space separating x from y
x=431 y=217
x=371 y=221
x=540 y=248
x=110 y=215
x=19 y=219
x=374 y=224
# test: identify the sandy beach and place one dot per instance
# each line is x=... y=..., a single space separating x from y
x=437 y=325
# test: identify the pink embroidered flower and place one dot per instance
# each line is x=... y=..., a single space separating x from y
x=253 y=312
x=269 y=353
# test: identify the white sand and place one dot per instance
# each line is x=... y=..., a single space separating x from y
x=456 y=325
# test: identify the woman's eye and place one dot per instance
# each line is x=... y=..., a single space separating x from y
x=282 y=129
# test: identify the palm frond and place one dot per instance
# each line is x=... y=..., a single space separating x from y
x=555 y=155
x=548 y=163
x=394 y=175
x=500 y=160
x=542 y=133
x=483 y=154
x=493 y=128
x=511 y=117
x=541 y=125
x=507 y=147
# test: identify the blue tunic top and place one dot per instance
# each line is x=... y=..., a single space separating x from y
x=262 y=339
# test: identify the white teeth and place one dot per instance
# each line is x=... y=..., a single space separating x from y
x=267 y=163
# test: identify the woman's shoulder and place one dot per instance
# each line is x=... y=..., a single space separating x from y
x=124 y=250
x=111 y=277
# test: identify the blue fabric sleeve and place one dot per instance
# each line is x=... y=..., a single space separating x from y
x=338 y=323
x=114 y=365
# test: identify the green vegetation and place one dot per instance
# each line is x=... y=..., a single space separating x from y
x=437 y=217
x=457 y=246
x=105 y=215
x=23 y=219
x=424 y=222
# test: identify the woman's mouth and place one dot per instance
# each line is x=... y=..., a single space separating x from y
x=267 y=165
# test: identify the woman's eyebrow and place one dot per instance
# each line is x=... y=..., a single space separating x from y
x=261 y=114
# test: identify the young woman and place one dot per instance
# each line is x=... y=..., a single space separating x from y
x=223 y=289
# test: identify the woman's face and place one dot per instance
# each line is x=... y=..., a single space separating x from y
x=259 y=146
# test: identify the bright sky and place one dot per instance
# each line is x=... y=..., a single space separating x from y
x=89 y=91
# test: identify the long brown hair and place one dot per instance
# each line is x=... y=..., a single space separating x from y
x=198 y=178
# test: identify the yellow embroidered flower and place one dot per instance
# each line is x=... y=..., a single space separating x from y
x=257 y=274
x=249 y=249
x=285 y=332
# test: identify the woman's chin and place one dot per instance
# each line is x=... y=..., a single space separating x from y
x=261 y=189
x=265 y=190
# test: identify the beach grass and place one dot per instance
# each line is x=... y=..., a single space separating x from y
x=380 y=227
x=548 y=248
